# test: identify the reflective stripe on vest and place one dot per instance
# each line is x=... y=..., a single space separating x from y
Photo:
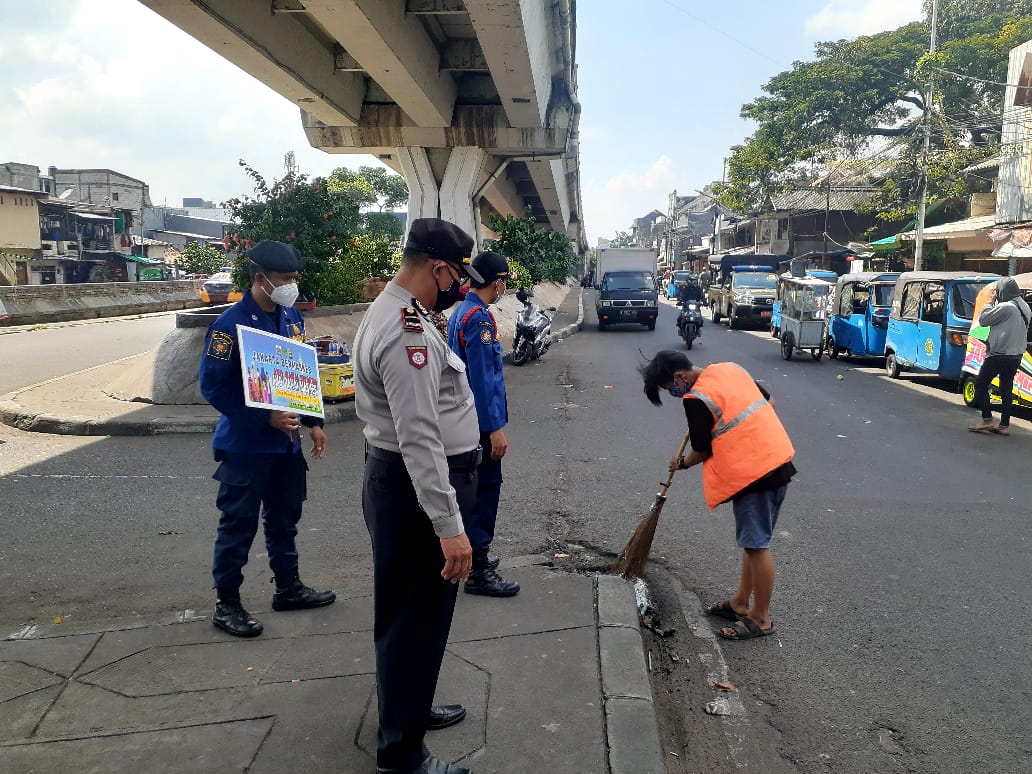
x=759 y=443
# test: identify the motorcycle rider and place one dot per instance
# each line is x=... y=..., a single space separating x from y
x=690 y=291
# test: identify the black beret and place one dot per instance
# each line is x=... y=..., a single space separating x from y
x=444 y=241
x=491 y=266
x=275 y=256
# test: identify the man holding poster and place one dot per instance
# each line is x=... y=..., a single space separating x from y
x=257 y=441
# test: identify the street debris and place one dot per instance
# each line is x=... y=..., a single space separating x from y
x=723 y=685
x=562 y=556
x=607 y=386
x=641 y=596
x=718 y=707
x=58 y=620
x=840 y=377
x=169 y=532
x=651 y=622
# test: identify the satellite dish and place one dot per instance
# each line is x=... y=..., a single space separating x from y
x=66 y=193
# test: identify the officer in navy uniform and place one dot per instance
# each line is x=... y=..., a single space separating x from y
x=473 y=336
x=422 y=452
x=261 y=466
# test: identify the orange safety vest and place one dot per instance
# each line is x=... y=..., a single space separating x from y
x=748 y=438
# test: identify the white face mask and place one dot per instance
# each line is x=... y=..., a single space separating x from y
x=284 y=295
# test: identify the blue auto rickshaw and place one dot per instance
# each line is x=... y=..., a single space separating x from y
x=678 y=280
x=930 y=320
x=860 y=318
x=775 y=313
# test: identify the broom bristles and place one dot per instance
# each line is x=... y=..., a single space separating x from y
x=631 y=562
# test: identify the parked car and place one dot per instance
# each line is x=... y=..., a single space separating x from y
x=219 y=289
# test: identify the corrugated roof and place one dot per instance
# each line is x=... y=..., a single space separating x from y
x=958 y=228
x=818 y=199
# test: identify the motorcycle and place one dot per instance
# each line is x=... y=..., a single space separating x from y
x=533 y=330
x=689 y=322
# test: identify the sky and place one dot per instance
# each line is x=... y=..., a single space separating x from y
x=108 y=83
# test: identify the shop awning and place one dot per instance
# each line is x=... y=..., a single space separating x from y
x=140 y=259
x=959 y=228
x=91 y=216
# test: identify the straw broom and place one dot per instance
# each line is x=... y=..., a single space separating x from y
x=631 y=562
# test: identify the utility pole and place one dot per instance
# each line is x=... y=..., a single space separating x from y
x=827 y=209
x=923 y=204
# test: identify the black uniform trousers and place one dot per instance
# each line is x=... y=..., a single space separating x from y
x=271 y=485
x=412 y=604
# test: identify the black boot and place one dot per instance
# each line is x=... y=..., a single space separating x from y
x=485 y=580
x=292 y=594
x=231 y=617
x=493 y=560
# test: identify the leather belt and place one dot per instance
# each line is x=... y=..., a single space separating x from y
x=459 y=463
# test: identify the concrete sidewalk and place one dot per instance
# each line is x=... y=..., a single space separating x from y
x=553 y=680
x=79 y=404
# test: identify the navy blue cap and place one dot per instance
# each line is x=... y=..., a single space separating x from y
x=275 y=256
x=444 y=241
x=491 y=266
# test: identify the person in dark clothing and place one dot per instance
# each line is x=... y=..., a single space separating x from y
x=262 y=470
x=690 y=291
x=747 y=459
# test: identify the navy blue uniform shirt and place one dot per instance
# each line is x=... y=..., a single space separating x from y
x=473 y=336
x=242 y=429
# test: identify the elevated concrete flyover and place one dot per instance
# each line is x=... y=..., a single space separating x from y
x=473 y=101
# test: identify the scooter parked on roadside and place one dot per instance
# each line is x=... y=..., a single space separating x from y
x=533 y=330
x=689 y=322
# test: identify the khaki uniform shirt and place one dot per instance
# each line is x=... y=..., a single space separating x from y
x=411 y=391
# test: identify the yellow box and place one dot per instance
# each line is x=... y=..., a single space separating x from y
x=338 y=380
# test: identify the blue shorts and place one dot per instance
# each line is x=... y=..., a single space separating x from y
x=756 y=514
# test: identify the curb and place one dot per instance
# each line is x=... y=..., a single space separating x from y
x=15 y=416
x=631 y=729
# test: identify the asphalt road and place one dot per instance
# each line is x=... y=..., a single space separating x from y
x=903 y=550
x=33 y=354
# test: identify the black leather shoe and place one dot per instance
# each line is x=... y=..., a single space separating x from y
x=292 y=594
x=448 y=715
x=489 y=583
x=231 y=617
x=430 y=765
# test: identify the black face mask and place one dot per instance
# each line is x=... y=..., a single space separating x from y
x=446 y=298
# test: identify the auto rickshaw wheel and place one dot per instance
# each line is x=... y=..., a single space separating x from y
x=816 y=354
x=967 y=389
x=835 y=351
x=787 y=345
x=892 y=365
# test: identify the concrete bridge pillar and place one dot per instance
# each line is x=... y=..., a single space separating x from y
x=442 y=183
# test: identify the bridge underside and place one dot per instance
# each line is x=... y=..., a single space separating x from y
x=474 y=101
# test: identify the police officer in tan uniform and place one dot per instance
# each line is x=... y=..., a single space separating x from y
x=422 y=451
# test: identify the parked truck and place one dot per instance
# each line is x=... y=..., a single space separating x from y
x=626 y=284
x=746 y=295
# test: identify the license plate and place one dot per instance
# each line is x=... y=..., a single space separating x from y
x=764 y=315
x=628 y=313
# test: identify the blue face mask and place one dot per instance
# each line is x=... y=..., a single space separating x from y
x=677 y=391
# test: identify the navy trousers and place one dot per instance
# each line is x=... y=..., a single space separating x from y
x=272 y=486
x=412 y=603
x=480 y=527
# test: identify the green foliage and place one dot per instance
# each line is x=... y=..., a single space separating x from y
x=519 y=277
x=201 y=259
x=841 y=106
x=324 y=219
x=546 y=255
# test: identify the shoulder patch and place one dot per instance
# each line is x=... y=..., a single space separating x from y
x=220 y=346
x=410 y=320
x=416 y=356
x=485 y=337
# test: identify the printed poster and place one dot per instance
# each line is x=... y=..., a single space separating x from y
x=279 y=373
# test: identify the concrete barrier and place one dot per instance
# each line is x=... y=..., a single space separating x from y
x=39 y=304
x=168 y=374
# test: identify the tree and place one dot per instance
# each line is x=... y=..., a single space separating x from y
x=201 y=259
x=861 y=103
x=546 y=255
x=374 y=187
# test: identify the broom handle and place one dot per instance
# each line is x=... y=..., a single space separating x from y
x=670 y=478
